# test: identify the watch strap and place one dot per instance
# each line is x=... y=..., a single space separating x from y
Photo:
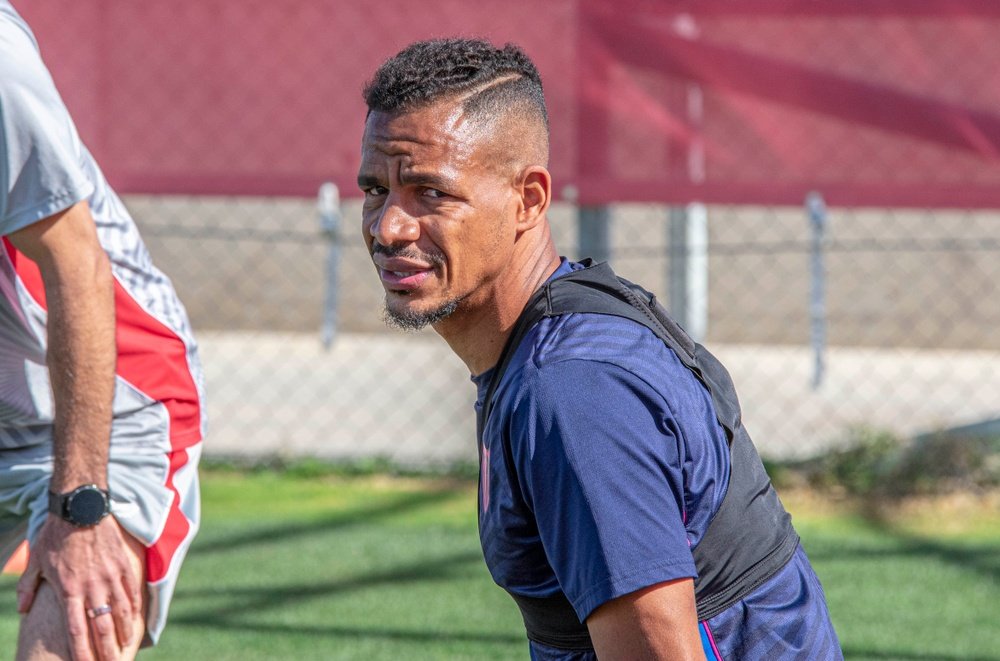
x=61 y=504
x=57 y=504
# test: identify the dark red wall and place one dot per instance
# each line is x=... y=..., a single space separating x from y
x=873 y=103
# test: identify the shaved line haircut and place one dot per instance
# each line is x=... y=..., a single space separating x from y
x=493 y=85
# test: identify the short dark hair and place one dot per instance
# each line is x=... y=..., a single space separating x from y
x=496 y=80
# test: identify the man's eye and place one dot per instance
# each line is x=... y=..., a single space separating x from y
x=375 y=191
x=433 y=192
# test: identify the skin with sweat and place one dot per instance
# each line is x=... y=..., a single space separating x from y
x=453 y=219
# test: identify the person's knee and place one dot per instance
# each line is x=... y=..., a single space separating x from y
x=43 y=628
x=43 y=632
x=138 y=559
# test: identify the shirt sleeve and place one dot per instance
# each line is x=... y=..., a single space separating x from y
x=602 y=470
x=40 y=151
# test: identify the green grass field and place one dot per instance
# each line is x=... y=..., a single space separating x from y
x=294 y=567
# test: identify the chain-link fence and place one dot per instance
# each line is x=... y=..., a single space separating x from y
x=221 y=118
x=907 y=317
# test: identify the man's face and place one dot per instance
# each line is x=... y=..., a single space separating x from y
x=438 y=214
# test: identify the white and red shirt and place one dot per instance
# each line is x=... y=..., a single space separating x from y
x=44 y=169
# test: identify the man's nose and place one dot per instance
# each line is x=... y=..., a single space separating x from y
x=394 y=225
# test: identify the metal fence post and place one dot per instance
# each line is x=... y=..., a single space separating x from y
x=688 y=235
x=818 y=219
x=677 y=250
x=594 y=226
x=688 y=270
x=328 y=205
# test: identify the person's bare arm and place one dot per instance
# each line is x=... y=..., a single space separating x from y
x=86 y=566
x=81 y=354
x=659 y=622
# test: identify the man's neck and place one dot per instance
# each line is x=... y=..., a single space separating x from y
x=478 y=335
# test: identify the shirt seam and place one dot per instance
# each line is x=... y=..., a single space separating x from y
x=18 y=219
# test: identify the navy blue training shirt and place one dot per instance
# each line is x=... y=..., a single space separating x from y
x=620 y=465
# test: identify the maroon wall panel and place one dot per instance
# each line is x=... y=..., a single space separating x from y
x=758 y=101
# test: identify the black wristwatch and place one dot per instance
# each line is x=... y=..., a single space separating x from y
x=83 y=507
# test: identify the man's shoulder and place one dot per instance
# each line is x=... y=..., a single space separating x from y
x=20 y=61
x=600 y=339
x=27 y=93
x=588 y=348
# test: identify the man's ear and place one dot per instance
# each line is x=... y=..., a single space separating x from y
x=535 y=189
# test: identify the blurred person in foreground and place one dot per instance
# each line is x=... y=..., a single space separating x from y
x=100 y=388
x=603 y=457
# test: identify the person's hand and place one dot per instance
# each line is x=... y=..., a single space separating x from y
x=87 y=568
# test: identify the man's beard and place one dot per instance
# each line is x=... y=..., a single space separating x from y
x=411 y=320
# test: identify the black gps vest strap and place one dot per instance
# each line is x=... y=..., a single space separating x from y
x=750 y=537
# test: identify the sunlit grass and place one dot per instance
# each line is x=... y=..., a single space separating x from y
x=374 y=567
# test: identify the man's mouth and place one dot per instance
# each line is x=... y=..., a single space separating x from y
x=403 y=280
x=403 y=271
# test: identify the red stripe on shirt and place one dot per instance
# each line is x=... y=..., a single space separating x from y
x=151 y=356
x=153 y=359
x=28 y=272
x=175 y=531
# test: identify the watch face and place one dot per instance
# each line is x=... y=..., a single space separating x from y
x=86 y=506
